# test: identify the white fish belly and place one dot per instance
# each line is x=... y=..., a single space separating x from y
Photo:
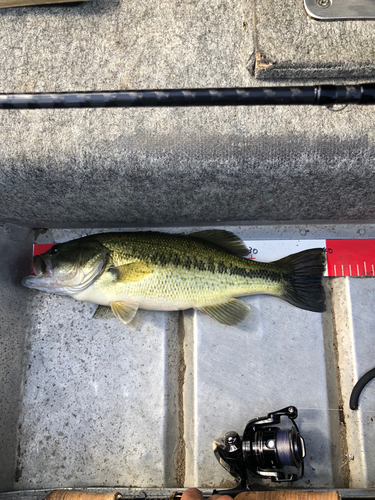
x=106 y=298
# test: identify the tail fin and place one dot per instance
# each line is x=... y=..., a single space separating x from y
x=303 y=273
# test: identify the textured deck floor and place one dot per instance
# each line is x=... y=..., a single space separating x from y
x=102 y=405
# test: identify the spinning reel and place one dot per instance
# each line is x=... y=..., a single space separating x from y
x=263 y=449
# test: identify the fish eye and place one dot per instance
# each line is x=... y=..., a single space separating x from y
x=54 y=249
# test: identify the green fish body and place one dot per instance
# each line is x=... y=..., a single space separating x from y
x=122 y=272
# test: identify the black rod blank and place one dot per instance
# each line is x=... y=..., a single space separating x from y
x=315 y=95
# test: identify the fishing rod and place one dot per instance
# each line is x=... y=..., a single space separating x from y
x=86 y=495
x=314 y=95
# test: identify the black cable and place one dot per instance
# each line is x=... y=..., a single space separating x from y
x=321 y=95
x=358 y=388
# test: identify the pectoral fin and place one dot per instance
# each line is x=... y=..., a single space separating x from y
x=103 y=312
x=136 y=271
x=232 y=312
x=123 y=311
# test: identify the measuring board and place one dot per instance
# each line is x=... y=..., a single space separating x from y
x=344 y=257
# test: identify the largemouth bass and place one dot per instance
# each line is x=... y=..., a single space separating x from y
x=207 y=270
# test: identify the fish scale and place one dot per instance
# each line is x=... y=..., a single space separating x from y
x=213 y=275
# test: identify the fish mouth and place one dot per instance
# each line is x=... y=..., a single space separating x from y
x=73 y=282
x=42 y=273
x=42 y=267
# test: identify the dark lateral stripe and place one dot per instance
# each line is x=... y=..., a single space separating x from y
x=190 y=263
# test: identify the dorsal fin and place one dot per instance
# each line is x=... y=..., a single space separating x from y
x=224 y=239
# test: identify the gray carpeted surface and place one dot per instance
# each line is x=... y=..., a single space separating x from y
x=288 y=44
x=120 y=44
x=158 y=166
x=149 y=166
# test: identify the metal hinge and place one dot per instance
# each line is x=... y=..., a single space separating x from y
x=330 y=10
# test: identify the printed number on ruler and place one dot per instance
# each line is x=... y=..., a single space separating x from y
x=270 y=250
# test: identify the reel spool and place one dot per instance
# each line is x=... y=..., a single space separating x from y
x=263 y=449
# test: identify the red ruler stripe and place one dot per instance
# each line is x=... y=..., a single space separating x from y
x=350 y=257
x=39 y=249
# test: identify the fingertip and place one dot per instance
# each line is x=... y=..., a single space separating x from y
x=221 y=497
x=192 y=494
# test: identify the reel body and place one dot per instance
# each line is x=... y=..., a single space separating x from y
x=264 y=449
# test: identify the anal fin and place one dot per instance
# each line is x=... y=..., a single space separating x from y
x=230 y=313
x=123 y=311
